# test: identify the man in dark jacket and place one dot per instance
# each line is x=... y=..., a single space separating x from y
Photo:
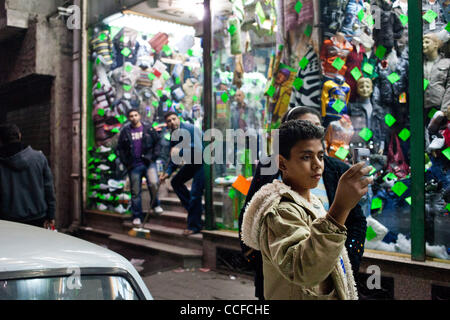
x=333 y=169
x=138 y=149
x=26 y=182
x=191 y=169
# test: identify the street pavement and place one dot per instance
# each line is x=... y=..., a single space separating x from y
x=199 y=284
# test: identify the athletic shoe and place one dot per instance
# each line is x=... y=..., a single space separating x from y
x=103 y=167
x=116 y=184
x=103 y=149
x=120 y=209
x=158 y=210
x=104 y=186
x=93 y=195
x=137 y=222
x=124 y=197
x=101 y=207
x=437 y=143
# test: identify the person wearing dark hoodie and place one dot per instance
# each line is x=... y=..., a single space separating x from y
x=26 y=181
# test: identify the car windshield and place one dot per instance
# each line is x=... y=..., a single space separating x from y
x=91 y=287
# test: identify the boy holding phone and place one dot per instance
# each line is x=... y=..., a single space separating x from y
x=302 y=245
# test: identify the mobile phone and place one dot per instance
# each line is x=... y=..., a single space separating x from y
x=361 y=154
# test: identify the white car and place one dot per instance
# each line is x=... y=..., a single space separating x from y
x=40 y=264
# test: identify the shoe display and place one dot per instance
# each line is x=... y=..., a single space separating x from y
x=101 y=207
x=120 y=209
x=116 y=184
x=103 y=167
x=137 y=222
x=437 y=143
x=103 y=149
x=158 y=210
x=123 y=197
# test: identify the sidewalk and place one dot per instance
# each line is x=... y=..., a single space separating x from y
x=195 y=284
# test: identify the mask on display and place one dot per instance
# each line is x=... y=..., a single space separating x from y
x=436 y=72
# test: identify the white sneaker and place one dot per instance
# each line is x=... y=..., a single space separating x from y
x=101 y=207
x=124 y=197
x=115 y=184
x=103 y=167
x=137 y=222
x=158 y=210
x=120 y=209
x=437 y=143
x=103 y=149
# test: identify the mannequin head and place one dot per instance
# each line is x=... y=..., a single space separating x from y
x=431 y=45
x=340 y=37
x=364 y=87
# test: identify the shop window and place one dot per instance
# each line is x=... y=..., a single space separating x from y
x=150 y=65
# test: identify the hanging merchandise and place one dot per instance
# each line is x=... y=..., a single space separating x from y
x=238 y=71
x=354 y=63
x=126 y=47
x=102 y=47
x=280 y=92
x=333 y=55
x=396 y=160
x=186 y=43
x=238 y=9
x=335 y=95
x=234 y=28
x=351 y=25
x=337 y=138
x=296 y=13
x=333 y=14
x=308 y=93
x=159 y=41
x=390 y=28
x=433 y=16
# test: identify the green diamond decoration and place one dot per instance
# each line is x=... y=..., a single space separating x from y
x=232 y=193
x=121 y=118
x=399 y=188
x=361 y=14
x=128 y=68
x=102 y=37
x=341 y=153
x=155 y=103
x=190 y=53
x=151 y=76
x=430 y=16
x=393 y=77
x=370 y=20
x=167 y=50
x=447 y=207
x=232 y=92
x=425 y=84
x=115 y=130
x=338 y=105
x=271 y=91
x=167 y=136
x=126 y=87
x=366 y=134
x=232 y=29
x=446 y=153
x=169 y=103
x=408 y=200
x=194 y=98
x=298 y=83
x=377 y=203
x=404 y=134
x=356 y=73
x=159 y=93
x=372 y=171
x=308 y=30
x=99 y=85
x=404 y=19
x=126 y=52
x=177 y=80
x=298 y=6
x=101 y=112
x=368 y=68
x=224 y=97
x=390 y=120
x=432 y=112
x=380 y=52
x=112 y=157
x=165 y=75
x=390 y=176
x=338 y=63
x=447 y=27
x=370 y=233
x=181 y=106
x=97 y=61
x=303 y=63
x=155 y=124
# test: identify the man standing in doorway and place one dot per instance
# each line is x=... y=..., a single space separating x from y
x=26 y=182
x=191 y=200
x=138 y=149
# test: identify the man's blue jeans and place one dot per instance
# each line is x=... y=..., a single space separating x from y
x=191 y=200
x=136 y=174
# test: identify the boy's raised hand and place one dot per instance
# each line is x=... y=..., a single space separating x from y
x=351 y=187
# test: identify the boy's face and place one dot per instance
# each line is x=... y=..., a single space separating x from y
x=305 y=166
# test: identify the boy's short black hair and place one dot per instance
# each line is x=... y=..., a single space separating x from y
x=132 y=110
x=9 y=133
x=294 y=131
x=169 y=113
x=298 y=111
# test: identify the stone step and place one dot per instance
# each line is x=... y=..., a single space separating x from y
x=174 y=204
x=157 y=255
x=172 y=236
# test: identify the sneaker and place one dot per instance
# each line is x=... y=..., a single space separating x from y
x=103 y=149
x=104 y=186
x=124 y=197
x=158 y=210
x=103 y=167
x=437 y=143
x=101 y=207
x=120 y=209
x=116 y=184
x=137 y=222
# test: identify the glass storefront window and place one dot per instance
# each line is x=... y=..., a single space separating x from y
x=139 y=63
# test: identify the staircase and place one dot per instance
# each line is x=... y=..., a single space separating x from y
x=167 y=247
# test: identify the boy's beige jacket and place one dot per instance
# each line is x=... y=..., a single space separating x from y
x=304 y=256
